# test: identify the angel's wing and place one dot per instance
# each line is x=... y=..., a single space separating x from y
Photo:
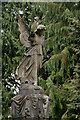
x=25 y=32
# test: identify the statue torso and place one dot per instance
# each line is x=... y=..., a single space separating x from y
x=37 y=44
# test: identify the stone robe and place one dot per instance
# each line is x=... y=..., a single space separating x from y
x=32 y=62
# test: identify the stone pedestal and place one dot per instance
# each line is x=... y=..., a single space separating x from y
x=31 y=103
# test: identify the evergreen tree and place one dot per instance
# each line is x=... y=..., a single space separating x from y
x=61 y=76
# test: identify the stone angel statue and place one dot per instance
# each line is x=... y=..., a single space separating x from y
x=33 y=39
x=31 y=102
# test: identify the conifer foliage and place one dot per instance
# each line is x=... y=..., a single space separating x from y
x=60 y=74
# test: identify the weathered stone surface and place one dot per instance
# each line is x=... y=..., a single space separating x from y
x=29 y=67
x=31 y=102
x=27 y=89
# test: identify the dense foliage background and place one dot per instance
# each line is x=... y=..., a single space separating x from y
x=61 y=78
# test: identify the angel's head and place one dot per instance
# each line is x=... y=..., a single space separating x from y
x=36 y=19
x=40 y=29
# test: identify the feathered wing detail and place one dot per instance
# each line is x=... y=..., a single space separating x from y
x=25 y=32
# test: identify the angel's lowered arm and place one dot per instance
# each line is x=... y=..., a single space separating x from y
x=43 y=48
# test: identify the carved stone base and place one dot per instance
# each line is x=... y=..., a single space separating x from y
x=30 y=103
